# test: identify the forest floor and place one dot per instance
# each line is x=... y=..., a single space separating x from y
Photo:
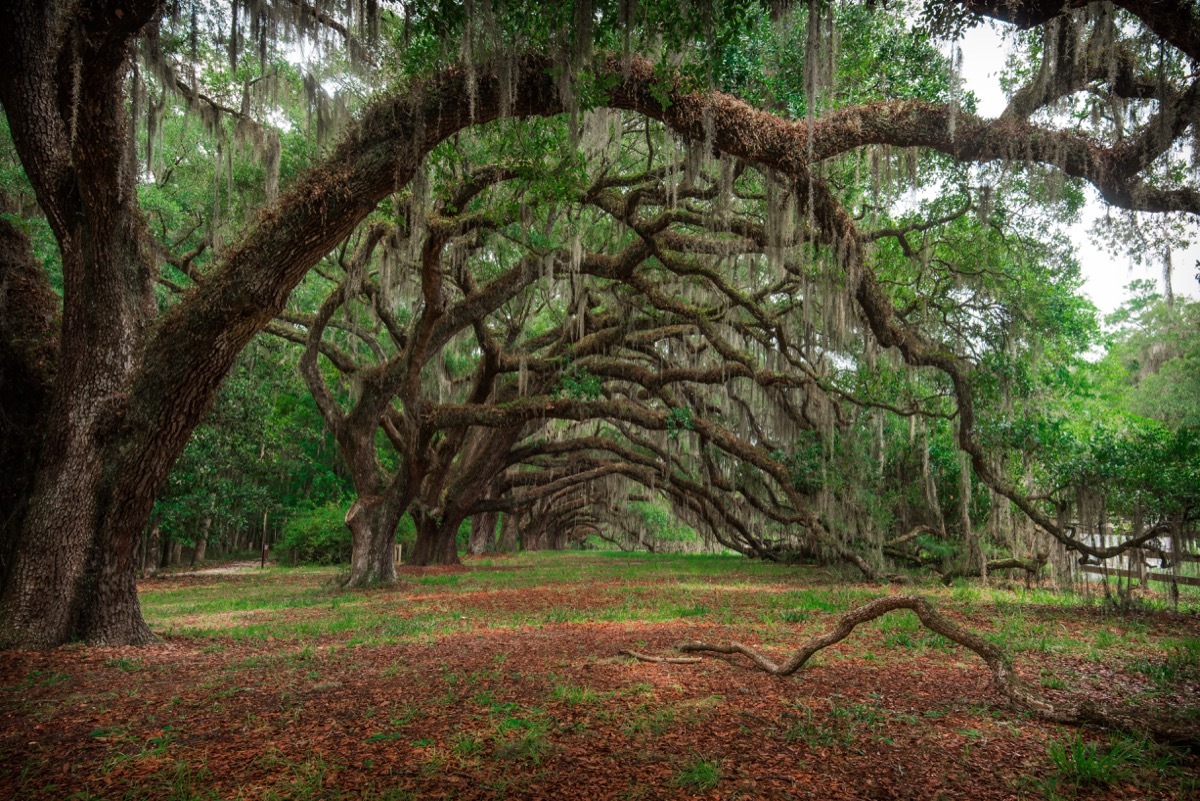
x=504 y=679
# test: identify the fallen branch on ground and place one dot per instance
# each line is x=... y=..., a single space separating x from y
x=1004 y=679
x=672 y=660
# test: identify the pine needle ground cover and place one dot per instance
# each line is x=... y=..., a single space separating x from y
x=504 y=679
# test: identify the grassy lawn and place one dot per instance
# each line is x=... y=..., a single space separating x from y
x=504 y=679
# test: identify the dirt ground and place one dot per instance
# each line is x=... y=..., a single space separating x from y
x=520 y=692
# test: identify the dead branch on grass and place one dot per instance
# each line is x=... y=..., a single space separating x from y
x=1004 y=679
x=671 y=660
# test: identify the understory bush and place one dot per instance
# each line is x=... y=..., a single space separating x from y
x=318 y=535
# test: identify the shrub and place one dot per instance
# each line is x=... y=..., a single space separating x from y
x=406 y=533
x=318 y=535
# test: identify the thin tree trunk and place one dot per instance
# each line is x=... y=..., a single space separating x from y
x=202 y=543
x=508 y=533
x=153 y=553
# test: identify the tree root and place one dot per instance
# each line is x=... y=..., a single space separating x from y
x=1004 y=680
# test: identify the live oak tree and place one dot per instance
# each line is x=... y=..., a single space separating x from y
x=124 y=386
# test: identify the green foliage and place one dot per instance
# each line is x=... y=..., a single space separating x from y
x=805 y=462
x=576 y=382
x=1182 y=664
x=318 y=535
x=1155 y=354
x=262 y=449
x=660 y=524
x=679 y=420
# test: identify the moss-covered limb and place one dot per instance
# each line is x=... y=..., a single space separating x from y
x=1004 y=679
x=309 y=368
x=1176 y=21
x=1031 y=566
x=910 y=535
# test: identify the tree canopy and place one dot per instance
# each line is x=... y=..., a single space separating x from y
x=751 y=274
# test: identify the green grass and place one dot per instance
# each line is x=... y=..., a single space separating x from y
x=1181 y=663
x=467 y=746
x=521 y=739
x=649 y=720
x=305 y=603
x=575 y=695
x=842 y=725
x=282 y=641
x=700 y=775
x=178 y=780
x=1087 y=764
x=41 y=678
x=125 y=665
x=1082 y=765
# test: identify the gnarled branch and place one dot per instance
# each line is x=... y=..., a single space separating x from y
x=1004 y=679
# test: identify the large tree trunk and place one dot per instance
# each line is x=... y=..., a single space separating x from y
x=483 y=456
x=437 y=541
x=28 y=351
x=74 y=146
x=372 y=523
x=483 y=534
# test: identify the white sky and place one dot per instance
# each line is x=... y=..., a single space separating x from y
x=1106 y=275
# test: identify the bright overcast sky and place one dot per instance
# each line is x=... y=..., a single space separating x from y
x=1106 y=274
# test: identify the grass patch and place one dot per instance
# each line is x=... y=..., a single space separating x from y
x=575 y=695
x=1182 y=663
x=842 y=725
x=700 y=775
x=1088 y=764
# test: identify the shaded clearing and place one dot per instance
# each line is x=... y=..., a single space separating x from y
x=490 y=682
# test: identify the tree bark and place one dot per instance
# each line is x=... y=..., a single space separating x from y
x=437 y=540
x=483 y=534
x=152 y=555
x=28 y=354
x=372 y=522
x=201 y=548
x=508 y=533
x=73 y=143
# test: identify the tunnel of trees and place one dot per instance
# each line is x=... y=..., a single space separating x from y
x=648 y=273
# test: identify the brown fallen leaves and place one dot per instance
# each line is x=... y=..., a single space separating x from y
x=545 y=710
